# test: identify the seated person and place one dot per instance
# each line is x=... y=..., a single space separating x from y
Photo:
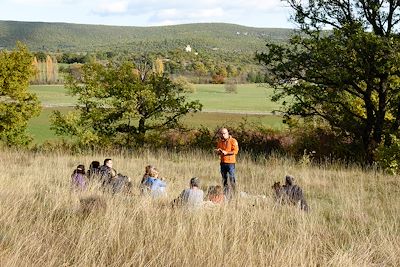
x=78 y=178
x=215 y=194
x=156 y=187
x=192 y=196
x=106 y=172
x=94 y=170
x=112 y=181
x=143 y=188
x=120 y=183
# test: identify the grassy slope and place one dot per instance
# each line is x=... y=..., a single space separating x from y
x=250 y=98
x=354 y=217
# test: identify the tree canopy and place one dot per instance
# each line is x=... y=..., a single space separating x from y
x=343 y=67
x=119 y=103
x=17 y=104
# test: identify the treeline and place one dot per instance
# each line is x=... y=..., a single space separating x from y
x=196 y=67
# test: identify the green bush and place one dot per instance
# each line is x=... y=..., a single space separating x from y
x=388 y=157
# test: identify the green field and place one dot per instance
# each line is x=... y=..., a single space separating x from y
x=249 y=98
x=53 y=95
x=251 y=104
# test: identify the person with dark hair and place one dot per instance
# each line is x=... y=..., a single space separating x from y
x=106 y=172
x=290 y=193
x=227 y=149
x=192 y=196
x=111 y=181
x=94 y=170
x=121 y=183
x=78 y=178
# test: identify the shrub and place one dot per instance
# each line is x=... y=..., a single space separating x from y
x=183 y=82
x=218 y=79
x=231 y=86
x=388 y=157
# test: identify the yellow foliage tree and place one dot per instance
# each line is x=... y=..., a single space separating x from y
x=49 y=69
x=159 y=66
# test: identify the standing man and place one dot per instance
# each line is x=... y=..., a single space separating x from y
x=227 y=148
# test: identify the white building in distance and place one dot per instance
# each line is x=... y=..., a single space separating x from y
x=188 y=48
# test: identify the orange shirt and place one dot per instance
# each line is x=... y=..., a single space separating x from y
x=231 y=146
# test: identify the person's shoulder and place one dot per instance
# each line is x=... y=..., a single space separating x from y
x=199 y=191
x=233 y=139
x=103 y=167
x=186 y=191
x=159 y=181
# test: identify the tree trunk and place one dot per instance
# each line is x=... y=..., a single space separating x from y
x=141 y=131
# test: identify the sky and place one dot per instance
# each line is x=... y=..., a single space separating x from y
x=254 y=13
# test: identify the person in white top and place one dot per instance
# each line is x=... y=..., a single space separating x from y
x=193 y=196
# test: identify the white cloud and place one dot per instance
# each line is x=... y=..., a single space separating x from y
x=112 y=7
x=156 y=6
x=173 y=14
x=147 y=12
x=44 y=2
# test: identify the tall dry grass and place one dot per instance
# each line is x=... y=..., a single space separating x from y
x=354 y=218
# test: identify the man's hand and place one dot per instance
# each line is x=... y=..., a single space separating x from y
x=219 y=151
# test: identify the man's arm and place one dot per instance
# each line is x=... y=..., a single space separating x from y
x=234 y=148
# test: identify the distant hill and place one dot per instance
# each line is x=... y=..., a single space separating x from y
x=67 y=37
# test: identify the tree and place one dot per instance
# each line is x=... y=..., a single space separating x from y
x=17 y=104
x=117 y=104
x=349 y=75
x=158 y=66
x=49 y=69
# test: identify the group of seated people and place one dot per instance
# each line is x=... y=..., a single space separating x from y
x=150 y=185
x=107 y=176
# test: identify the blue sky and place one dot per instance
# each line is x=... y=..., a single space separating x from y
x=255 y=13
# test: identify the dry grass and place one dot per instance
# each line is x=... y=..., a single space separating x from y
x=354 y=218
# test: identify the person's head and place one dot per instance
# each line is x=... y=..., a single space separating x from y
x=94 y=165
x=224 y=133
x=215 y=190
x=148 y=168
x=153 y=173
x=80 y=169
x=194 y=182
x=289 y=180
x=218 y=190
x=108 y=163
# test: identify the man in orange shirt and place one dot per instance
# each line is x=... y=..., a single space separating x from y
x=227 y=148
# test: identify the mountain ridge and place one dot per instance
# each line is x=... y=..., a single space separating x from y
x=72 y=37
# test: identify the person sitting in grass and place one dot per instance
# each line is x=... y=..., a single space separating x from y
x=107 y=172
x=143 y=188
x=94 y=170
x=155 y=186
x=78 y=178
x=215 y=194
x=192 y=196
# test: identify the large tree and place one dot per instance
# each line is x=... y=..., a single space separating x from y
x=119 y=104
x=342 y=65
x=17 y=104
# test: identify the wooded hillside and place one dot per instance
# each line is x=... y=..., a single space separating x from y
x=64 y=37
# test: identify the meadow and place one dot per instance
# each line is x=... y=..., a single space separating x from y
x=353 y=220
x=251 y=104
